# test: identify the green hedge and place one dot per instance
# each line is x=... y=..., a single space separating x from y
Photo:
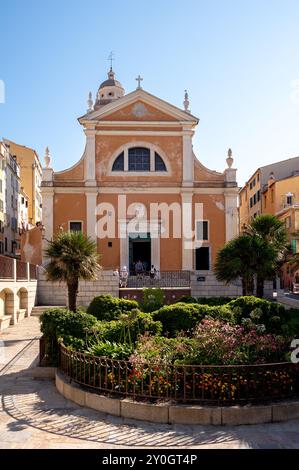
x=179 y=317
x=213 y=301
x=58 y=322
x=260 y=311
x=106 y=307
x=184 y=316
x=152 y=299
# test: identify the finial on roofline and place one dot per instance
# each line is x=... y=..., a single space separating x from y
x=229 y=159
x=89 y=102
x=47 y=157
x=186 y=102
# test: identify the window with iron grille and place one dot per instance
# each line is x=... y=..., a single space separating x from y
x=75 y=226
x=159 y=163
x=139 y=159
x=119 y=163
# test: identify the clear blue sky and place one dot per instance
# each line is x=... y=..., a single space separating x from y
x=239 y=60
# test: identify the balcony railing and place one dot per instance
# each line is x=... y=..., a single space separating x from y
x=21 y=270
x=16 y=270
x=160 y=279
x=33 y=272
x=6 y=268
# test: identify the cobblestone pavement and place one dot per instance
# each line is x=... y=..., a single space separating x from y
x=34 y=415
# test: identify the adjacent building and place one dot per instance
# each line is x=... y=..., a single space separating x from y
x=10 y=190
x=31 y=175
x=259 y=197
x=274 y=189
x=23 y=219
x=2 y=199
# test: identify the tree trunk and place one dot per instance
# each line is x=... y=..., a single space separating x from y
x=247 y=286
x=72 y=294
x=244 y=287
x=260 y=287
x=251 y=286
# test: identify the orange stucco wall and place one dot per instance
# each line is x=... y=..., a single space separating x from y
x=74 y=173
x=170 y=248
x=69 y=207
x=204 y=174
x=214 y=212
x=106 y=146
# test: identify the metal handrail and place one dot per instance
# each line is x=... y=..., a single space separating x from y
x=204 y=384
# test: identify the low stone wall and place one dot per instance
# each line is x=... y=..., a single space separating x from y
x=55 y=293
x=177 y=414
x=205 y=284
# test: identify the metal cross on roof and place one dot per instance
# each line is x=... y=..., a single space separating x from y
x=139 y=79
x=111 y=58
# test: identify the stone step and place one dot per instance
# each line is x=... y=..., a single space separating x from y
x=39 y=309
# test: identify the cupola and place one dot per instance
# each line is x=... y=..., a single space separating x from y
x=110 y=90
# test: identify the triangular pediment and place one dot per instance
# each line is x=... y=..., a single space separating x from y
x=139 y=106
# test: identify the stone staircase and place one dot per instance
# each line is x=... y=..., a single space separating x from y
x=39 y=309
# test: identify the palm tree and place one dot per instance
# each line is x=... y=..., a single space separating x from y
x=237 y=259
x=272 y=232
x=73 y=257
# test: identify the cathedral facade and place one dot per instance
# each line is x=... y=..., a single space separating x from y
x=138 y=190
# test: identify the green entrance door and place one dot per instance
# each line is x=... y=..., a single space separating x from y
x=140 y=250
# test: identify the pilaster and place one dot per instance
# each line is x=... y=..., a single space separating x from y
x=188 y=163
x=187 y=233
x=91 y=204
x=89 y=163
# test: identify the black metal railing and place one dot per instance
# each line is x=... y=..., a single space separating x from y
x=159 y=279
x=218 y=385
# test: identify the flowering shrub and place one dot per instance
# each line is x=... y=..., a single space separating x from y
x=261 y=311
x=213 y=342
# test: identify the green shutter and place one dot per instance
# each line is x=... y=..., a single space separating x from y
x=294 y=246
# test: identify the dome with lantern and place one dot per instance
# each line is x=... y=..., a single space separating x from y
x=110 y=90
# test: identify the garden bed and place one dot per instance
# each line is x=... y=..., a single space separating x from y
x=235 y=353
x=212 y=385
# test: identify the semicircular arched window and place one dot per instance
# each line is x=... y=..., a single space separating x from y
x=119 y=163
x=159 y=163
x=139 y=159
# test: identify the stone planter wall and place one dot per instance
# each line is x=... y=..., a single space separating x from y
x=177 y=414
